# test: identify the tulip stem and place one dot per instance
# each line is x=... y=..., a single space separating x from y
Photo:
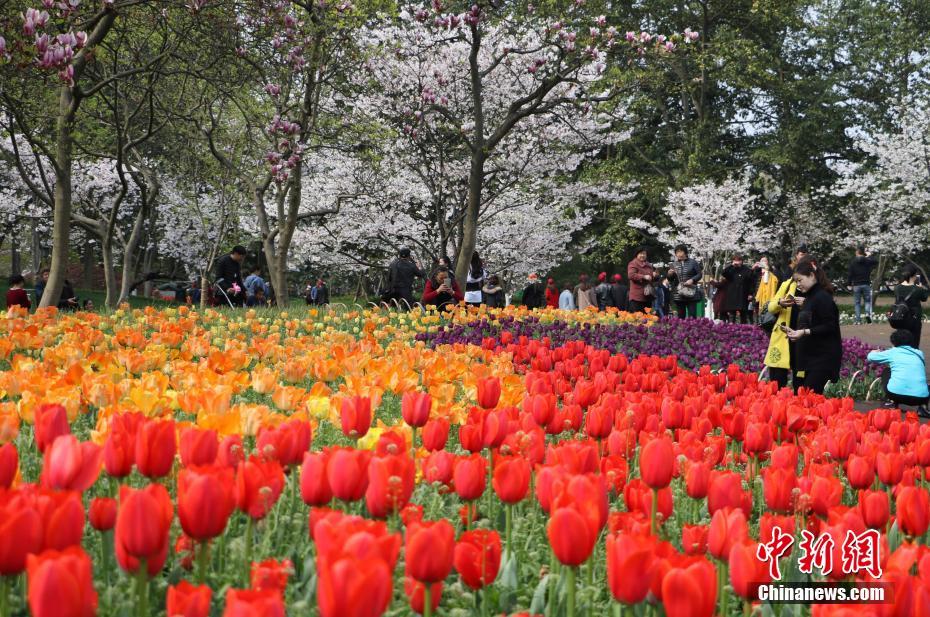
x=427 y=600
x=570 y=591
x=655 y=506
x=142 y=589
x=508 y=528
x=413 y=443
x=550 y=597
x=247 y=565
x=202 y=559
x=4 y=596
x=490 y=488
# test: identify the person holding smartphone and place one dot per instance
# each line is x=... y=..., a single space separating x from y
x=781 y=356
x=442 y=290
x=817 y=335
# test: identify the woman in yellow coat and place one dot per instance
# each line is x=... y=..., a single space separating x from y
x=781 y=357
x=768 y=283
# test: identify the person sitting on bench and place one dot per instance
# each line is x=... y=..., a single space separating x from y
x=905 y=378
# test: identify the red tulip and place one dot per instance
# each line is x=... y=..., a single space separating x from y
x=639 y=497
x=416 y=593
x=61 y=584
x=913 y=510
x=747 y=571
x=271 y=574
x=71 y=465
x=142 y=526
x=726 y=491
x=435 y=434
x=694 y=539
x=249 y=602
x=352 y=586
x=314 y=485
x=778 y=488
x=875 y=508
x=355 y=414
x=758 y=438
x=9 y=464
x=186 y=600
x=628 y=559
x=51 y=421
x=102 y=513
x=62 y=518
x=198 y=447
x=155 y=448
x=727 y=527
x=477 y=557
x=20 y=532
x=697 y=479
x=541 y=406
x=438 y=467
x=286 y=443
x=337 y=534
x=860 y=472
x=571 y=536
x=784 y=456
x=415 y=408
x=230 y=452
x=347 y=473
x=614 y=469
x=390 y=484
x=890 y=467
x=470 y=476
x=489 y=392
x=429 y=550
x=205 y=501
x=259 y=484
x=690 y=591
x=657 y=462
x=825 y=493
x=119 y=451
x=511 y=479
x=598 y=422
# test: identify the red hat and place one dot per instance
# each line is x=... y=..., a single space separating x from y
x=617 y=278
x=551 y=281
x=602 y=276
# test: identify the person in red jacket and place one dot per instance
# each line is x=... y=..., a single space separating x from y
x=552 y=294
x=439 y=293
x=17 y=296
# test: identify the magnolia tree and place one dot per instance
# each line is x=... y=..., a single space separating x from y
x=49 y=72
x=713 y=220
x=484 y=76
x=888 y=197
x=283 y=106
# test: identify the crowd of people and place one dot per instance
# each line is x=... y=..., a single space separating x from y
x=795 y=305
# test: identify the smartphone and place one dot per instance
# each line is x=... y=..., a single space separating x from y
x=783 y=328
x=789 y=297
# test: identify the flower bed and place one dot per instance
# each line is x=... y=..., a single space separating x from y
x=239 y=464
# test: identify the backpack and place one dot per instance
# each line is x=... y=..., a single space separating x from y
x=900 y=314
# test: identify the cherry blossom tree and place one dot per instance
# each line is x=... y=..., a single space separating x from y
x=713 y=220
x=491 y=74
x=887 y=197
x=51 y=67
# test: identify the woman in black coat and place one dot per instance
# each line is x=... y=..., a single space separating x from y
x=820 y=345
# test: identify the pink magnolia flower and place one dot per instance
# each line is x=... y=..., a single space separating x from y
x=236 y=289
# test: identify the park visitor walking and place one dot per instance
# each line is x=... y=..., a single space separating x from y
x=534 y=294
x=820 y=344
x=602 y=293
x=860 y=280
x=567 y=298
x=493 y=293
x=641 y=275
x=16 y=295
x=781 y=355
x=766 y=283
x=620 y=293
x=685 y=274
x=552 y=294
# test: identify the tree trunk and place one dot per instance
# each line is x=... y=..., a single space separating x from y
x=470 y=220
x=879 y=275
x=36 y=250
x=87 y=277
x=16 y=261
x=204 y=286
x=148 y=259
x=61 y=229
x=129 y=252
x=109 y=272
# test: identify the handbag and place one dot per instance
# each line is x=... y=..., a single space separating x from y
x=900 y=313
x=767 y=320
x=688 y=292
